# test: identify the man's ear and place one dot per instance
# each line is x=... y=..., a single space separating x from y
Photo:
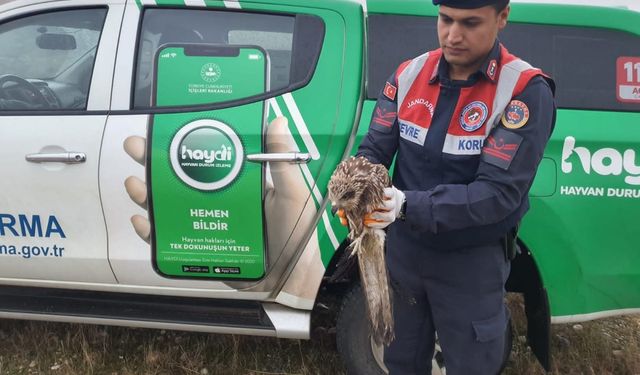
x=503 y=16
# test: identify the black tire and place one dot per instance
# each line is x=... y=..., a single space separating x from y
x=352 y=335
x=354 y=340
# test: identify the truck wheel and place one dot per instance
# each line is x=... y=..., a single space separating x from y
x=361 y=355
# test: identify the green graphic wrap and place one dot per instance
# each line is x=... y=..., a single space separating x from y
x=206 y=201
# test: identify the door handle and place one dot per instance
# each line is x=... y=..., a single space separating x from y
x=290 y=157
x=58 y=157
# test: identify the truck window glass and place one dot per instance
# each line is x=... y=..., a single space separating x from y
x=273 y=33
x=392 y=40
x=48 y=59
x=582 y=60
x=279 y=46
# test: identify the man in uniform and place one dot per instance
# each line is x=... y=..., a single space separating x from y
x=467 y=125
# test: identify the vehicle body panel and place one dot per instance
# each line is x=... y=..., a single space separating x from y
x=320 y=132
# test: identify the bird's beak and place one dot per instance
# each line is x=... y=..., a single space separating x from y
x=334 y=209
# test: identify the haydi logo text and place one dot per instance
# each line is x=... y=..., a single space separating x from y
x=604 y=162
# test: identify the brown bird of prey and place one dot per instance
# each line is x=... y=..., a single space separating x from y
x=357 y=188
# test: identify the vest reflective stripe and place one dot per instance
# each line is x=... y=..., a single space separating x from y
x=408 y=76
x=412 y=132
x=509 y=77
x=463 y=144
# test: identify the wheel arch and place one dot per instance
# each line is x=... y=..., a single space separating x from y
x=342 y=267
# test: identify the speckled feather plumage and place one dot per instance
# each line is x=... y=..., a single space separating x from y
x=357 y=187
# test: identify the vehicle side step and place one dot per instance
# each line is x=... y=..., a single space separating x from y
x=149 y=311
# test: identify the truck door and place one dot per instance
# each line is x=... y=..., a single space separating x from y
x=56 y=66
x=210 y=192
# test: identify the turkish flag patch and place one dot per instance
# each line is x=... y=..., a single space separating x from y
x=500 y=148
x=390 y=91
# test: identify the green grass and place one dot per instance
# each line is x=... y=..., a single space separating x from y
x=603 y=347
x=608 y=346
x=55 y=348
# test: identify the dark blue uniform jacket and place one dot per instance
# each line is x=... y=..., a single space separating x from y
x=460 y=201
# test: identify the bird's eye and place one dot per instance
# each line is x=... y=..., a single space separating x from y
x=349 y=195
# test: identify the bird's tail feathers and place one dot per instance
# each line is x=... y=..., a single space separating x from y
x=373 y=273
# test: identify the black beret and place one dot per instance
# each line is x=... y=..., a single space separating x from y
x=465 y=4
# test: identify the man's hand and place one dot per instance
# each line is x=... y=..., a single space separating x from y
x=383 y=216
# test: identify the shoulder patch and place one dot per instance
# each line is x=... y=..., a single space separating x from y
x=516 y=115
x=390 y=91
x=500 y=148
x=384 y=116
x=492 y=69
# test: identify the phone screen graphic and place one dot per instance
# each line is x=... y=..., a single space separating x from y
x=199 y=74
x=205 y=199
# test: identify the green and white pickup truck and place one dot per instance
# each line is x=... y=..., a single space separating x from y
x=165 y=163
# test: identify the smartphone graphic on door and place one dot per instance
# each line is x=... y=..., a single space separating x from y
x=205 y=200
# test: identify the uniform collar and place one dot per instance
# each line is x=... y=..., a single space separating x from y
x=488 y=69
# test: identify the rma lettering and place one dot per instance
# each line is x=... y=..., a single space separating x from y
x=30 y=226
x=605 y=161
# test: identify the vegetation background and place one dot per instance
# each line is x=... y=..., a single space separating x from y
x=604 y=347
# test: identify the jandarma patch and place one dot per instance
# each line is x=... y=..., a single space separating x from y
x=501 y=147
x=473 y=116
x=516 y=115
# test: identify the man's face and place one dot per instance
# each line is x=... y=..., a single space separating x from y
x=467 y=35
